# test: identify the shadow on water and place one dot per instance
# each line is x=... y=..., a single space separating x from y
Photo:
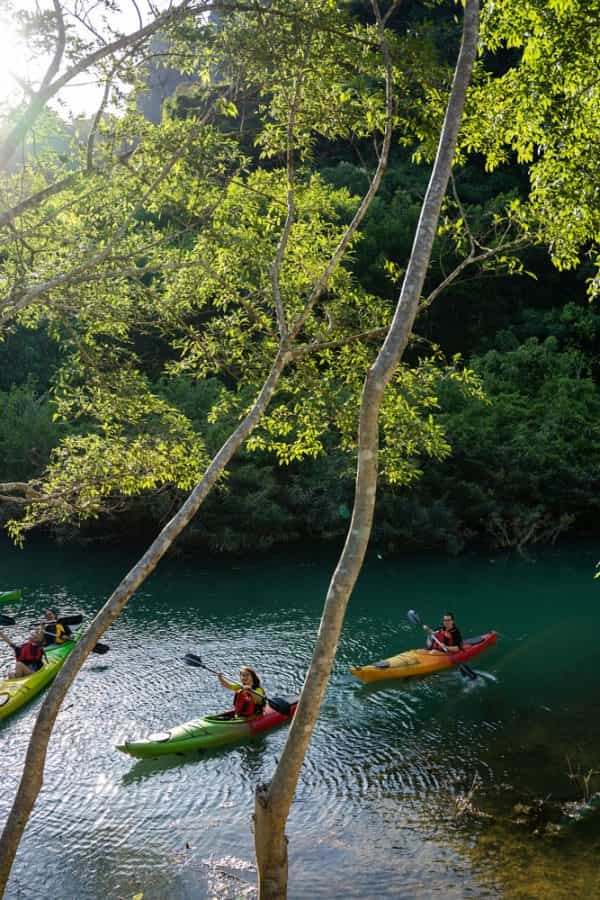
x=249 y=763
x=408 y=685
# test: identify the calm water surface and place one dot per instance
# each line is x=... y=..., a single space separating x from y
x=375 y=813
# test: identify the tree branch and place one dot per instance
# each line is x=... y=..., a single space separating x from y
x=50 y=88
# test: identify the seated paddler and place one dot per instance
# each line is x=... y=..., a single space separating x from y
x=445 y=639
x=53 y=630
x=29 y=656
x=249 y=697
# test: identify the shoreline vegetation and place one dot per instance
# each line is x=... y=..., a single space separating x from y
x=523 y=468
x=338 y=286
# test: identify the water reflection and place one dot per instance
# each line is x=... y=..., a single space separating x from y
x=375 y=812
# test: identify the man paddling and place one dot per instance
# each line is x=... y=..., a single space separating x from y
x=29 y=656
x=447 y=635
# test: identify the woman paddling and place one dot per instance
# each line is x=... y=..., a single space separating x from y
x=249 y=698
x=29 y=656
x=54 y=631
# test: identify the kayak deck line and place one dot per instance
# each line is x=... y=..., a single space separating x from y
x=421 y=662
x=206 y=732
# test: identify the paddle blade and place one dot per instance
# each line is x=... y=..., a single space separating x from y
x=413 y=617
x=75 y=619
x=101 y=649
x=468 y=672
x=10 y=596
x=280 y=705
x=6 y=620
x=191 y=659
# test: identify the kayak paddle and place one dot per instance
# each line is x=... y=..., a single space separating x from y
x=75 y=619
x=6 y=620
x=415 y=619
x=277 y=703
x=99 y=648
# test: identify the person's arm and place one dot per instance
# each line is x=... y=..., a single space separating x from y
x=230 y=685
x=435 y=643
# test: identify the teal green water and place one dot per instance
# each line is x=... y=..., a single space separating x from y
x=375 y=813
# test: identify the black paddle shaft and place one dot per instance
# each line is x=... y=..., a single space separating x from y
x=277 y=703
x=98 y=647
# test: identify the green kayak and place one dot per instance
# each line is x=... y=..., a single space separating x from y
x=208 y=732
x=16 y=692
x=10 y=596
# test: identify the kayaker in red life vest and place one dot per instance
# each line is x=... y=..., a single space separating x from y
x=249 y=698
x=29 y=656
x=448 y=635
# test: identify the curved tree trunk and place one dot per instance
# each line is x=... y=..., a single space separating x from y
x=32 y=777
x=33 y=772
x=273 y=801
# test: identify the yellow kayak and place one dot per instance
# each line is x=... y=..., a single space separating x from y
x=423 y=662
x=16 y=692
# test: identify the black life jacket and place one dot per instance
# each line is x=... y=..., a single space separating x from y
x=55 y=633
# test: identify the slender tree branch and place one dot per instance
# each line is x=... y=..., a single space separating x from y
x=61 y=40
x=317 y=346
x=366 y=200
x=273 y=801
x=49 y=88
x=470 y=260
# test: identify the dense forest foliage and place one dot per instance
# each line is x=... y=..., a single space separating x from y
x=507 y=453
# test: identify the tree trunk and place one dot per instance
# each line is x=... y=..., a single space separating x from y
x=273 y=801
x=32 y=777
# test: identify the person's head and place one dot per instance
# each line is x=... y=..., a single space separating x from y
x=50 y=615
x=448 y=620
x=35 y=636
x=248 y=677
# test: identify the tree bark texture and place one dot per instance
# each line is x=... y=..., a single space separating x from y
x=273 y=801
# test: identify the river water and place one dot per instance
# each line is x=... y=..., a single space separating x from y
x=388 y=768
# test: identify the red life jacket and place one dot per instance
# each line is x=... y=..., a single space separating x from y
x=448 y=638
x=440 y=634
x=30 y=654
x=246 y=705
